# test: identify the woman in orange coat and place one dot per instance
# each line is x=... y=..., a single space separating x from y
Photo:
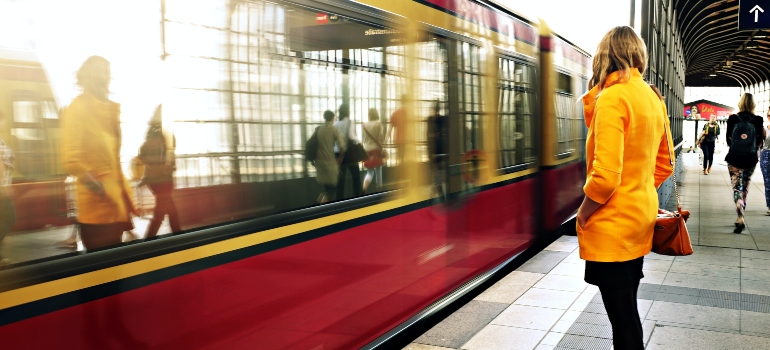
x=627 y=159
x=91 y=152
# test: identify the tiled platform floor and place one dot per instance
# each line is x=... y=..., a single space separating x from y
x=718 y=298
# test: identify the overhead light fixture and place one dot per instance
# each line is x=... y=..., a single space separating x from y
x=751 y=45
x=712 y=75
x=761 y=34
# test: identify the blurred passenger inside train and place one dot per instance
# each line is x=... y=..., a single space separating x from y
x=373 y=137
x=764 y=162
x=91 y=142
x=707 y=142
x=7 y=209
x=628 y=152
x=329 y=155
x=437 y=148
x=350 y=160
x=396 y=129
x=157 y=155
x=744 y=136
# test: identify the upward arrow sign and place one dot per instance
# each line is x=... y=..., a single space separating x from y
x=756 y=10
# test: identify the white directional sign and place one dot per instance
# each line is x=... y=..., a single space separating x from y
x=751 y=14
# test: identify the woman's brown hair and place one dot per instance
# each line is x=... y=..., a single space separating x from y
x=94 y=75
x=620 y=50
x=746 y=103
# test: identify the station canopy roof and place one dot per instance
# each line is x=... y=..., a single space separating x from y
x=713 y=45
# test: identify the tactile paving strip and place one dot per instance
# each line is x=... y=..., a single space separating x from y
x=571 y=341
x=703 y=297
x=591 y=318
x=591 y=330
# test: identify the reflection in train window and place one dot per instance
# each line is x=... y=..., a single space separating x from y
x=470 y=59
x=516 y=104
x=245 y=114
x=32 y=136
x=567 y=118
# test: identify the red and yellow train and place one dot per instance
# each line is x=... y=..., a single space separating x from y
x=260 y=265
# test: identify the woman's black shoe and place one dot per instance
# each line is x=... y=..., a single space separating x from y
x=739 y=228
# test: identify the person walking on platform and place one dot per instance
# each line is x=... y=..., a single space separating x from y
x=91 y=142
x=628 y=151
x=396 y=130
x=157 y=155
x=373 y=136
x=327 y=164
x=744 y=136
x=348 y=131
x=708 y=141
x=764 y=162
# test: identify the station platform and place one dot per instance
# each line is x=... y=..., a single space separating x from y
x=717 y=298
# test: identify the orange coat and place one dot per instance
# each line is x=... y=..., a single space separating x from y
x=91 y=143
x=627 y=159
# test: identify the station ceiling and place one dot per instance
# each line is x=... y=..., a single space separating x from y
x=716 y=53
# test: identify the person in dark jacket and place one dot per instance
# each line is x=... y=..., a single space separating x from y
x=741 y=165
x=708 y=143
x=157 y=155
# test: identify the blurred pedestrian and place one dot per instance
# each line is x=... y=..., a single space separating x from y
x=396 y=130
x=744 y=136
x=764 y=162
x=326 y=162
x=349 y=164
x=373 y=136
x=437 y=149
x=91 y=142
x=616 y=220
x=157 y=155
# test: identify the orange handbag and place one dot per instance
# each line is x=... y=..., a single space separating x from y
x=670 y=236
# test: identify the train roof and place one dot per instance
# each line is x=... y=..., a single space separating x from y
x=7 y=54
x=513 y=13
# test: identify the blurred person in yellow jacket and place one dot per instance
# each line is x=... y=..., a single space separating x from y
x=628 y=157
x=91 y=141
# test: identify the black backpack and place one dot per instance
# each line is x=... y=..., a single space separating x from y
x=311 y=147
x=744 y=138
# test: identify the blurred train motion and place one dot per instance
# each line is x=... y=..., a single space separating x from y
x=31 y=130
x=485 y=142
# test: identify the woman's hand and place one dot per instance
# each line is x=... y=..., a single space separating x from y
x=94 y=184
x=587 y=208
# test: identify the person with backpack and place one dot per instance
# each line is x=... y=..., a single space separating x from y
x=321 y=153
x=744 y=136
x=157 y=155
x=708 y=142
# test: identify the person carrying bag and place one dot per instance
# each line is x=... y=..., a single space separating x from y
x=372 y=143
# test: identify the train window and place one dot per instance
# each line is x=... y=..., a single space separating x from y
x=30 y=136
x=245 y=115
x=516 y=107
x=567 y=118
x=470 y=60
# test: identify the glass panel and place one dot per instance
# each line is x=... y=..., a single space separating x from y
x=515 y=110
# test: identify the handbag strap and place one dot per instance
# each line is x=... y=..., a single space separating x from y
x=671 y=161
x=372 y=137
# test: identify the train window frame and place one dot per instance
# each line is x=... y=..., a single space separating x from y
x=471 y=60
x=564 y=101
x=529 y=91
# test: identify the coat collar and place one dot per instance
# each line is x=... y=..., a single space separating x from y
x=589 y=99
